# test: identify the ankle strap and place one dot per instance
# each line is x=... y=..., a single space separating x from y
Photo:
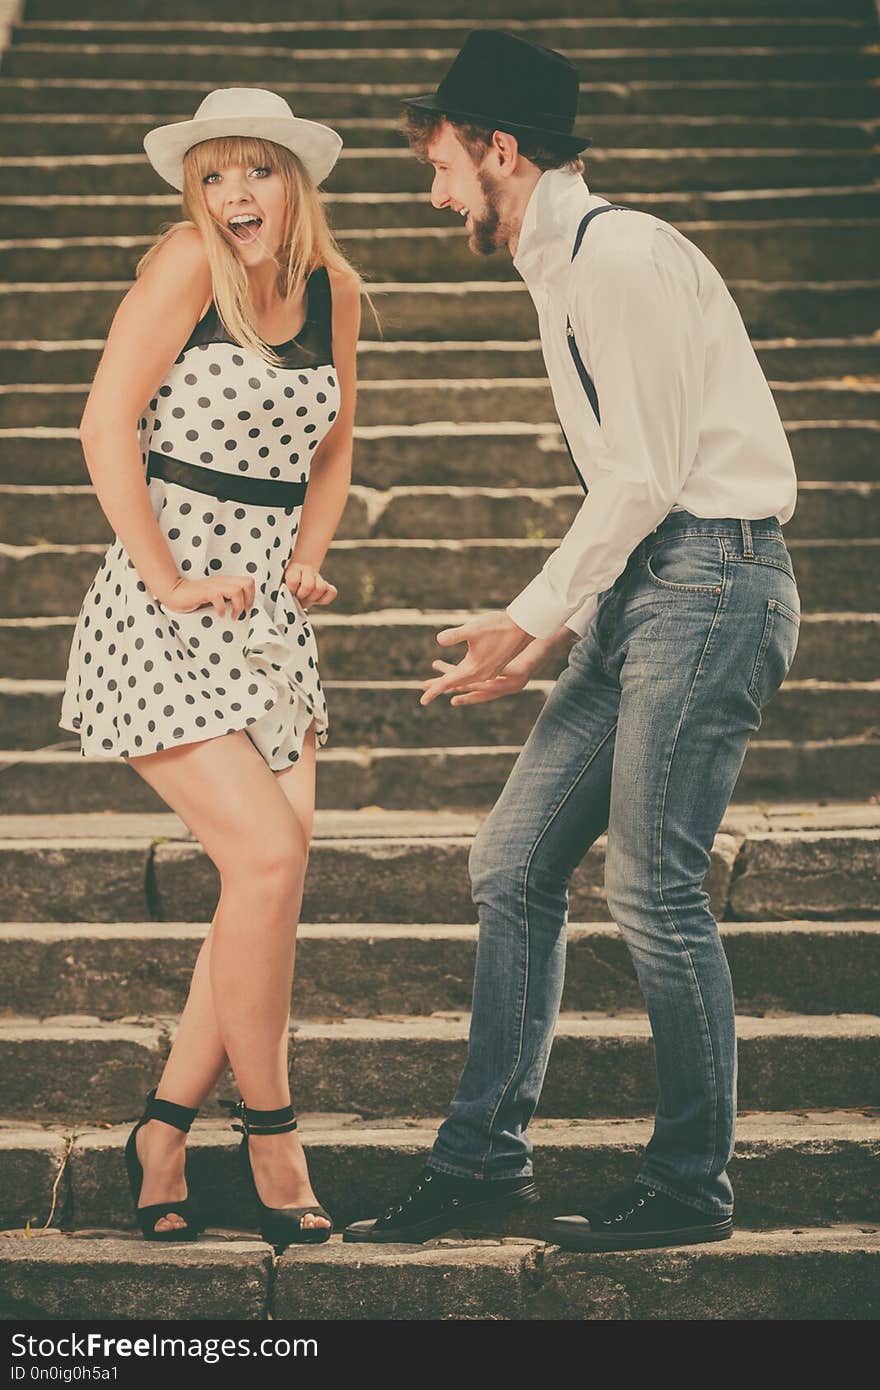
x=280 y=1121
x=180 y=1116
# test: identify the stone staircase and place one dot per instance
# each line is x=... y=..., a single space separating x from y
x=751 y=124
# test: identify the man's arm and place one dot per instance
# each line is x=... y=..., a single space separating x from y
x=641 y=315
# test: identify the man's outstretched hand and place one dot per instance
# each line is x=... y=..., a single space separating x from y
x=493 y=640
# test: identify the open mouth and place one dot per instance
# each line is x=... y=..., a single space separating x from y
x=245 y=227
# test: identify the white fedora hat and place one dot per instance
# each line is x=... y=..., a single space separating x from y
x=243 y=111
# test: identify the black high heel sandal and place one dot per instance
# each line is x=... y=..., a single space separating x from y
x=181 y=1117
x=278 y=1225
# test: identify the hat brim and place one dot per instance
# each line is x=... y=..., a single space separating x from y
x=566 y=144
x=316 y=145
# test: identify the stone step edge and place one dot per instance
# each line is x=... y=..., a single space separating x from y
x=427 y=346
x=401 y=88
x=377 y=500
x=389 y=385
x=377 y=544
x=392 y=153
x=423 y=617
x=782 y=1128
x=742 y=820
x=540 y=1262
x=453 y=233
x=861 y=45
x=154 y=1029
x=85 y=26
x=545 y=434
x=48 y=933
x=450 y=287
x=716 y=195
x=23 y=686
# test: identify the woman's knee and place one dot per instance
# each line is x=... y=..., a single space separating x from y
x=274 y=859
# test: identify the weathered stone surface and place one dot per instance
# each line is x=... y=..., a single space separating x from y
x=72 y=515
x=400 y=644
x=809 y=249
x=48 y=879
x=374 y=1067
x=476 y=1280
x=805 y=1167
x=111 y=970
x=76 y=1277
x=503 y=309
x=30 y=1162
x=43 y=1064
x=51 y=580
x=755 y=1275
x=830 y=874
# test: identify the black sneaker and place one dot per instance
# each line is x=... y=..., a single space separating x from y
x=636 y=1217
x=438 y=1202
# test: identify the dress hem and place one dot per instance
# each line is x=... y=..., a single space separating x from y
x=322 y=735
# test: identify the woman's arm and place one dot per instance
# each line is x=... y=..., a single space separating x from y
x=330 y=473
x=148 y=331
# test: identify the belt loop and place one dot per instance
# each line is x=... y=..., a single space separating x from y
x=748 y=551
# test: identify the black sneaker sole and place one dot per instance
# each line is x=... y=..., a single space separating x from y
x=473 y=1213
x=568 y=1237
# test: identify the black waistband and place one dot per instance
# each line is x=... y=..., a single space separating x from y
x=226 y=487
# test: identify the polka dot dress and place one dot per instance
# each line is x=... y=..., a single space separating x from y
x=227 y=443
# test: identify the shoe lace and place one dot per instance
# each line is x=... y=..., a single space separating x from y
x=418 y=1186
x=617 y=1204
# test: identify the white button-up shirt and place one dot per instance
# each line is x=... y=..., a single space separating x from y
x=688 y=421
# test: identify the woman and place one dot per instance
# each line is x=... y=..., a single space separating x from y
x=193 y=658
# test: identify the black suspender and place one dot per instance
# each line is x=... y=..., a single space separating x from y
x=586 y=380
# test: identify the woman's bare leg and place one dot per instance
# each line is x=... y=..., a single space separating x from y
x=225 y=793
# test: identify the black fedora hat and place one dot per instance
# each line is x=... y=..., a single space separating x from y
x=501 y=80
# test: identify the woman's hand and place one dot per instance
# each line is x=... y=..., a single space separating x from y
x=514 y=677
x=306 y=584
x=186 y=595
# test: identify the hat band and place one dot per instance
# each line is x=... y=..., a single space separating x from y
x=226 y=487
x=553 y=120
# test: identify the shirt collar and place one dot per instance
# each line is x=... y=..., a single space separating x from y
x=556 y=205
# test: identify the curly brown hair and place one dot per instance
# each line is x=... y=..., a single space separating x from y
x=420 y=127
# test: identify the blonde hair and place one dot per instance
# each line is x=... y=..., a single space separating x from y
x=306 y=239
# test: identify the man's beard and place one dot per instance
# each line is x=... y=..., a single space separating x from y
x=489 y=231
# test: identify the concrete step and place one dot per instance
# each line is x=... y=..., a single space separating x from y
x=813 y=1166
x=459 y=777
x=435 y=312
x=375 y=1066
x=661 y=31
x=799 y=861
x=500 y=455
x=762 y=251
x=228 y=11
x=50 y=580
x=47 y=134
x=387 y=714
x=120 y=969
x=383 y=170
x=714 y=98
x=782 y=359
x=400 y=645
x=67 y=515
x=820 y=1273
x=250 y=63
x=132 y=215
x=526 y=400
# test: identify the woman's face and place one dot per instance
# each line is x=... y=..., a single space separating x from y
x=238 y=194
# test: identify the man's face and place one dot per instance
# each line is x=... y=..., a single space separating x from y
x=459 y=185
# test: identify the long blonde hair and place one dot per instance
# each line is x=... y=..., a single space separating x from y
x=306 y=240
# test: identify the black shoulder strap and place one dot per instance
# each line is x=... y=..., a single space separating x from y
x=586 y=380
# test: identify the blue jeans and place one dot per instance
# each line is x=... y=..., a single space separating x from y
x=643 y=735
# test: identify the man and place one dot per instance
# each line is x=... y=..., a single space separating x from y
x=676 y=580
